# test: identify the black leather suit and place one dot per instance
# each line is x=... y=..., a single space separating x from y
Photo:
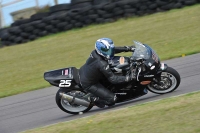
x=96 y=68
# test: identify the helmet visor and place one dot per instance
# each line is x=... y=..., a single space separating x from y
x=109 y=53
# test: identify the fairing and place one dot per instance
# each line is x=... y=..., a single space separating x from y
x=145 y=52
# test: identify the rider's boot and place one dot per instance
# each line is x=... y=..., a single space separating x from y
x=101 y=95
x=97 y=102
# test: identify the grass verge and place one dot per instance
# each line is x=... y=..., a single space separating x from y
x=171 y=115
x=171 y=34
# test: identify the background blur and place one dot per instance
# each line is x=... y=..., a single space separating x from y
x=16 y=5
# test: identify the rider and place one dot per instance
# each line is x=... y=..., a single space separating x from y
x=97 y=68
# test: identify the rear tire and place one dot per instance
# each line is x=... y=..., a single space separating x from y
x=170 y=80
x=66 y=106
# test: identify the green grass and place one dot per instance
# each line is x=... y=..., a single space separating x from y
x=171 y=34
x=171 y=115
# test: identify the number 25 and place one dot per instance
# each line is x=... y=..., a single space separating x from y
x=65 y=83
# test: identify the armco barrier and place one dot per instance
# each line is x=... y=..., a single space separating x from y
x=81 y=13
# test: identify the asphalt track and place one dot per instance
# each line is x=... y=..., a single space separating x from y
x=38 y=108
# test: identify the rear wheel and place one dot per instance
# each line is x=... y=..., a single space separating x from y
x=68 y=107
x=169 y=81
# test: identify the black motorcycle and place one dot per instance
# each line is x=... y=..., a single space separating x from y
x=144 y=64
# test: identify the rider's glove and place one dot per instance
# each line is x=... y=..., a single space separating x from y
x=130 y=77
x=130 y=48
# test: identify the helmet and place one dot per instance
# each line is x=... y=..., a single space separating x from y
x=105 y=47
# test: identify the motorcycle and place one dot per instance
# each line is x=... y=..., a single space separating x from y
x=151 y=75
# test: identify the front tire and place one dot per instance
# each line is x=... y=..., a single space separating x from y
x=68 y=107
x=170 y=80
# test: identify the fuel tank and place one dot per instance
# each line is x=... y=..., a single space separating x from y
x=119 y=64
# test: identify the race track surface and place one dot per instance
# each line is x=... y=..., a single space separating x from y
x=38 y=108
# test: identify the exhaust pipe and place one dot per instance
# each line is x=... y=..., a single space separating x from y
x=74 y=100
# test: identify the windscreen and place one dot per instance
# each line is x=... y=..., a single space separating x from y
x=141 y=51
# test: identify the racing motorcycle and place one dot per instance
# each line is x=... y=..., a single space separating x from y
x=144 y=64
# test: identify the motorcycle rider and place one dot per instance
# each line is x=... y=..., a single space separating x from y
x=97 y=67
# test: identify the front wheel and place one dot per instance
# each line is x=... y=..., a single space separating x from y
x=68 y=107
x=169 y=81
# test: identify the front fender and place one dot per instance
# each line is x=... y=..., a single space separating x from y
x=163 y=66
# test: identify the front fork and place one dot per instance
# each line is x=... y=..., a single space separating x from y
x=157 y=78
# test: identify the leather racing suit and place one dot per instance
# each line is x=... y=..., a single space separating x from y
x=95 y=69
